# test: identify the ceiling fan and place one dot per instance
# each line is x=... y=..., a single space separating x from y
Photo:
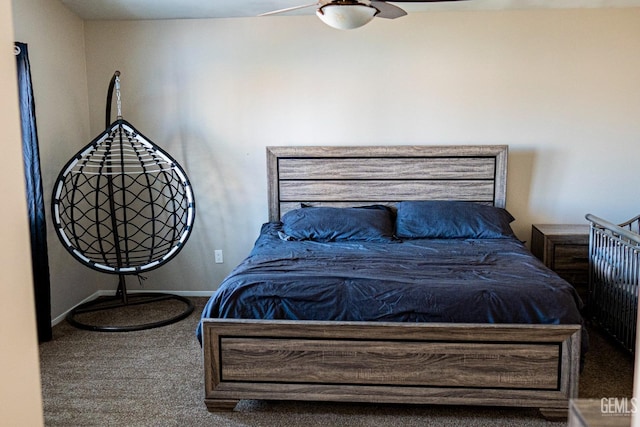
x=350 y=14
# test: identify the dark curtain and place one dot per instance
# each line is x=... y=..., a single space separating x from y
x=35 y=199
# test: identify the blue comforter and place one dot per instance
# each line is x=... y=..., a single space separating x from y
x=426 y=280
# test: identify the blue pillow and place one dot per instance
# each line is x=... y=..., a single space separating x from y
x=329 y=224
x=451 y=220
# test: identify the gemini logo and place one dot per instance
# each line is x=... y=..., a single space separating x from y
x=619 y=407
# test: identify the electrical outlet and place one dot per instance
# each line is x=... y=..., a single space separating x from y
x=217 y=255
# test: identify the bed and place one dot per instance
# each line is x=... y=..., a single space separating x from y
x=345 y=340
x=614 y=277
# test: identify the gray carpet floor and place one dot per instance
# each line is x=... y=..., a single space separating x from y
x=154 y=378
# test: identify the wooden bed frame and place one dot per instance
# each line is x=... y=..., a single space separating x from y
x=431 y=363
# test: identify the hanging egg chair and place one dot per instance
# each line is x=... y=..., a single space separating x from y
x=123 y=206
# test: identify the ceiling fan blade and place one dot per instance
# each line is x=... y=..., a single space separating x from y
x=422 y=1
x=387 y=10
x=288 y=9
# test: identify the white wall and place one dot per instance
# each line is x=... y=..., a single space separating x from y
x=20 y=401
x=560 y=87
x=55 y=39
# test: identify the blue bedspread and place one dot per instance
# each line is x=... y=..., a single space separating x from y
x=430 y=280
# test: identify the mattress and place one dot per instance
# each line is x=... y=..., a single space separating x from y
x=416 y=280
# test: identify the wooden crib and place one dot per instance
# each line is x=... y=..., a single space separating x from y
x=614 y=277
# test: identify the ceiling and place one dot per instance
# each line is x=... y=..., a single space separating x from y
x=185 y=9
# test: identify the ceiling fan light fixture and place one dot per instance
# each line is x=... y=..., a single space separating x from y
x=346 y=16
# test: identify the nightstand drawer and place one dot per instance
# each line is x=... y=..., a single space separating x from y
x=570 y=257
x=578 y=278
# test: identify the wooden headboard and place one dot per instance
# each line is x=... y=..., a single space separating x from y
x=360 y=175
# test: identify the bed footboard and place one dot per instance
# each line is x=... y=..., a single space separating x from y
x=455 y=364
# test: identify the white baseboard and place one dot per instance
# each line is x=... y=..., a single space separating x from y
x=103 y=293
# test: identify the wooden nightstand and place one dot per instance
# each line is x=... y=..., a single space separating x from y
x=564 y=248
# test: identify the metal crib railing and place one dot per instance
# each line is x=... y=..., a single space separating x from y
x=614 y=277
